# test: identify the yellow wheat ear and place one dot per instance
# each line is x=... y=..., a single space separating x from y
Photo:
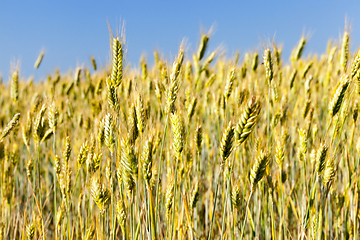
x=247 y=120
x=226 y=144
x=11 y=125
x=259 y=168
x=339 y=95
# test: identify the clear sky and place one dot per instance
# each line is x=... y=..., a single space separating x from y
x=72 y=31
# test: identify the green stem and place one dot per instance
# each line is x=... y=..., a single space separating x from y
x=157 y=208
x=246 y=209
x=54 y=179
x=223 y=219
x=174 y=201
x=214 y=207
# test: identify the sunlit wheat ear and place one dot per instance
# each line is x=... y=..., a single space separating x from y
x=202 y=47
x=39 y=130
x=355 y=111
x=67 y=152
x=101 y=133
x=121 y=215
x=302 y=150
x=147 y=160
x=191 y=108
x=2 y=230
x=144 y=71
x=177 y=125
x=226 y=143
x=277 y=55
x=177 y=64
x=68 y=182
x=255 y=62
x=39 y=60
x=339 y=95
x=247 y=120
x=60 y=215
x=292 y=78
x=99 y=86
x=296 y=55
x=174 y=82
x=321 y=158
x=236 y=198
x=355 y=65
x=171 y=96
x=194 y=198
x=198 y=138
x=90 y=155
x=280 y=152
x=53 y=117
x=100 y=194
x=30 y=231
x=329 y=172
x=128 y=165
x=90 y=233
x=14 y=86
x=268 y=65
x=108 y=172
x=112 y=95
x=140 y=115
x=306 y=69
x=57 y=162
x=93 y=63
x=77 y=76
x=188 y=72
x=229 y=83
x=26 y=130
x=82 y=154
x=159 y=89
x=11 y=125
x=117 y=62
x=109 y=132
x=29 y=167
x=96 y=162
x=169 y=198
x=133 y=131
x=47 y=135
x=207 y=61
x=344 y=53
x=258 y=170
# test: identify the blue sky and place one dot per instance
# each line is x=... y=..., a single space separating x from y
x=72 y=31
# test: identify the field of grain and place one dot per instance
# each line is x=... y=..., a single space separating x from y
x=197 y=147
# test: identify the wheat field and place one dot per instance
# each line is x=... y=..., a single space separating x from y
x=197 y=147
